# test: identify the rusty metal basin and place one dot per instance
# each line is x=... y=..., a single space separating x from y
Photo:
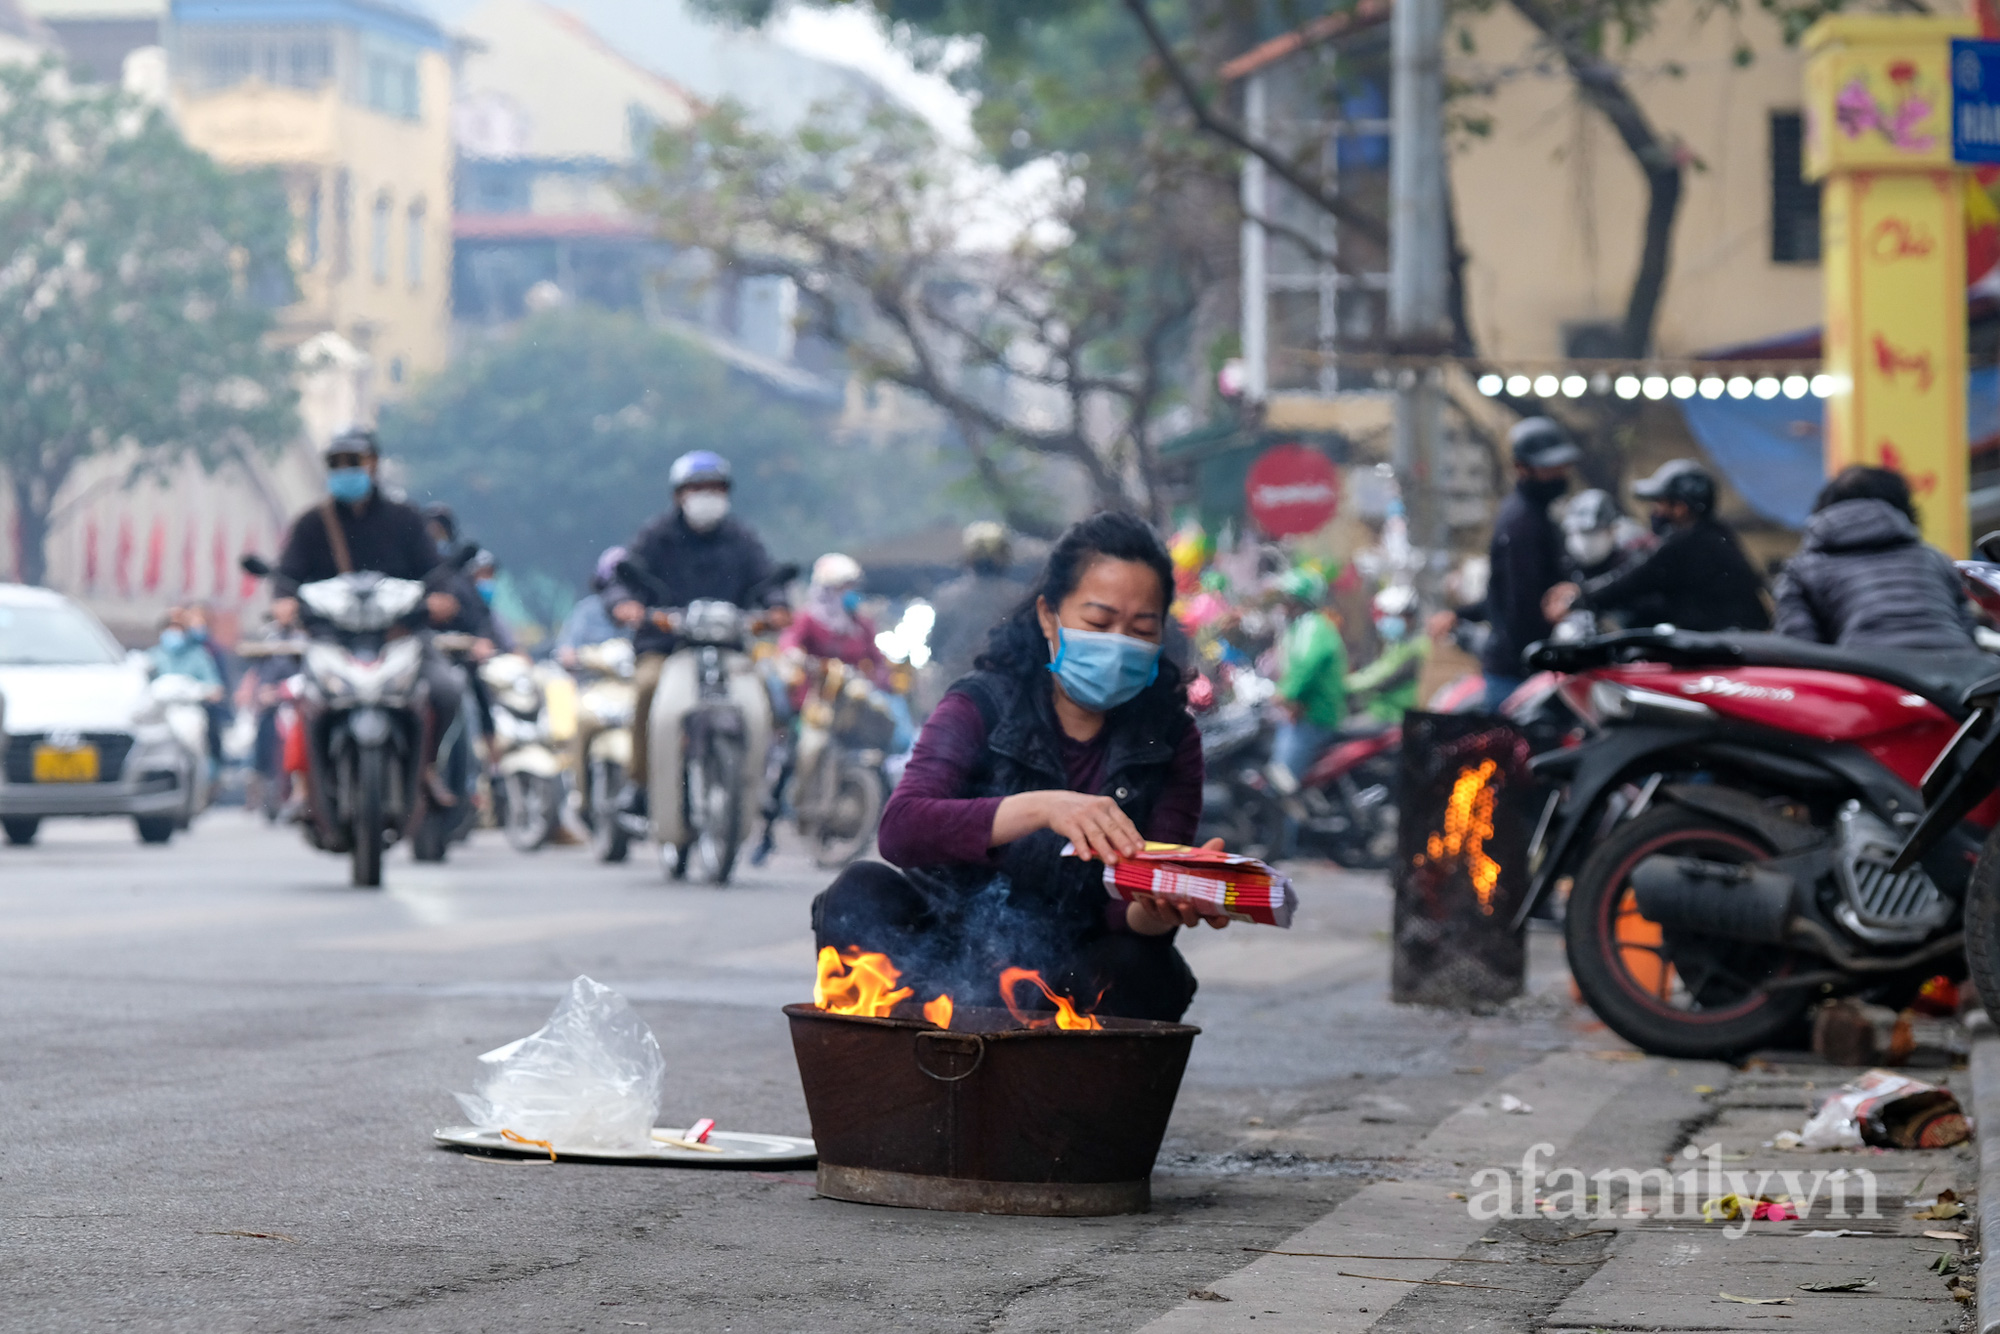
x=988 y=1117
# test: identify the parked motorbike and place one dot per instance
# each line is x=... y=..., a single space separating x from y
x=534 y=719
x=601 y=753
x=707 y=763
x=1960 y=793
x=1729 y=814
x=362 y=713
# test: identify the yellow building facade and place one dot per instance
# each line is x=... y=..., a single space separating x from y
x=352 y=100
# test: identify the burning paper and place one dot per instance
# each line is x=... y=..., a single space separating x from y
x=1225 y=884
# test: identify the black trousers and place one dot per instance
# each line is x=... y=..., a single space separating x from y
x=876 y=908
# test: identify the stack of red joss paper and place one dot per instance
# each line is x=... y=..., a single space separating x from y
x=1226 y=883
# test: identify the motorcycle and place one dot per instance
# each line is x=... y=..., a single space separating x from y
x=361 y=710
x=601 y=754
x=1962 y=788
x=840 y=779
x=1729 y=812
x=1342 y=808
x=707 y=764
x=183 y=702
x=534 y=719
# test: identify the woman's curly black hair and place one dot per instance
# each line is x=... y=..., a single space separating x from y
x=1016 y=646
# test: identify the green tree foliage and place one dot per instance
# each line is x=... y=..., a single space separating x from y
x=137 y=279
x=554 y=443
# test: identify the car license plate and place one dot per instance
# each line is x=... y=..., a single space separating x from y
x=65 y=764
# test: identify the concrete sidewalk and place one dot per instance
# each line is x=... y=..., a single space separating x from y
x=1411 y=1255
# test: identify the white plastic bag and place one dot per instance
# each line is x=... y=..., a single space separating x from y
x=589 y=1078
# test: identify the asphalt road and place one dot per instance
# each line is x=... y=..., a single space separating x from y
x=222 y=1066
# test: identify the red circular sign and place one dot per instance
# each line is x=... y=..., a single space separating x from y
x=1292 y=489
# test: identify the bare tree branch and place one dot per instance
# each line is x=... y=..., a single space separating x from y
x=1603 y=87
x=1361 y=221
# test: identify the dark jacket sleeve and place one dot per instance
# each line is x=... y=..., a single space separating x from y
x=306 y=557
x=757 y=591
x=1524 y=568
x=1622 y=587
x=1797 y=617
x=1955 y=590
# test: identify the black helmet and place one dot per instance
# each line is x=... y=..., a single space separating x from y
x=1537 y=442
x=1681 y=480
x=439 y=513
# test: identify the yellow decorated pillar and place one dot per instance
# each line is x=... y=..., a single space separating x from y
x=1892 y=219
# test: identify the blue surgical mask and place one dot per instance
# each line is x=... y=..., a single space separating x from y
x=1392 y=628
x=445 y=546
x=850 y=601
x=1101 y=671
x=485 y=587
x=199 y=634
x=349 y=485
x=172 y=640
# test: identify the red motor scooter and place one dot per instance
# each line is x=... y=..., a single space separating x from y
x=1729 y=815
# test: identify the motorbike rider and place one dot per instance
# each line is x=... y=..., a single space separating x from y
x=589 y=620
x=972 y=604
x=831 y=624
x=1697 y=579
x=1863 y=577
x=1387 y=687
x=358 y=528
x=695 y=550
x=1312 y=692
x=1525 y=559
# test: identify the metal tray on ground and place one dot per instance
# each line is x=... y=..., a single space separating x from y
x=738 y=1149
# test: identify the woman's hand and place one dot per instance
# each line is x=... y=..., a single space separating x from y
x=1100 y=831
x=1149 y=916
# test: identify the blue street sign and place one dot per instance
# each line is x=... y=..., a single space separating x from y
x=1975 y=100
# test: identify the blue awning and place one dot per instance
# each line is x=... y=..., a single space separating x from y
x=1772 y=450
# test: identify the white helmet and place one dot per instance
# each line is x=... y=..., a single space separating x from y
x=835 y=570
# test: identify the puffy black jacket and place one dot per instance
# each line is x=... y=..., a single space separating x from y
x=727 y=563
x=1697 y=579
x=1526 y=561
x=1864 y=579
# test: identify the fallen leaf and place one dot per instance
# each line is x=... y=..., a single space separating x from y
x=1937 y=1234
x=1704 y=1088
x=1941 y=1211
x=1204 y=1295
x=1839 y=1285
x=1944 y=1264
x=1755 y=1301
x=1458 y=1195
x=1962 y=1294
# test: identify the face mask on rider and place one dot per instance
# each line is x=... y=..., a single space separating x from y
x=1392 y=628
x=705 y=510
x=1590 y=548
x=349 y=485
x=850 y=601
x=1101 y=671
x=485 y=587
x=172 y=639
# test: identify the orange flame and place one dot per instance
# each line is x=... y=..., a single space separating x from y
x=1468 y=823
x=1066 y=1015
x=939 y=1011
x=857 y=983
